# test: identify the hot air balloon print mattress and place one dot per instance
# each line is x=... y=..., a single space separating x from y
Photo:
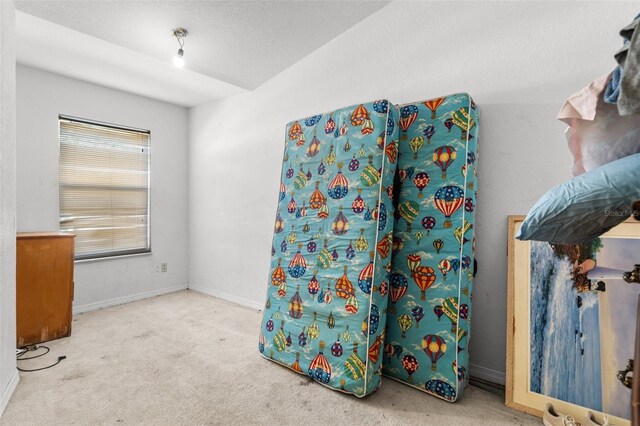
x=327 y=291
x=427 y=335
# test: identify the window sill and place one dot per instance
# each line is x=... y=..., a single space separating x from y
x=114 y=257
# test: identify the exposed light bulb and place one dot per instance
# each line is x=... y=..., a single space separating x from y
x=178 y=60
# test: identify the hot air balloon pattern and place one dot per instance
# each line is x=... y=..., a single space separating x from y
x=318 y=211
x=311 y=246
x=317 y=198
x=331 y=321
x=410 y=365
x=374 y=351
x=408 y=115
x=435 y=347
x=428 y=222
x=438 y=311
x=421 y=180
x=405 y=322
x=367 y=127
x=381 y=106
x=428 y=132
x=354 y=367
x=460 y=231
x=418 y=235
x=313 y=332
x=370 y=175
x=445 y=266
x=323 y=211
x=354 y=164
x=292 y=207
x=468 y=205
x=350 y=253
x=278 y=276
x=295 y=131
x=280 y=340
x=336 y=348
x=464 y=311
x=463 y=120
x=365 y=278
x=297 y=266
x=359 y=115
x=313 y=120
x=352 y=305
x=448 y=199
x=314 y=285
x=424 y=277
x=301 y=140
x=325 y=260
x=448 y=123
x=433 y=105
x=320 y=369
x=302 y=338
x=443 y=157
x=438 y=244
x=416 y=144
x=450 y=309
x=261 y=342
x=339 y=186
x=397 y=289
x=374 y=319
x=413 y=261
x=382 y=217
x=361 y=243
x=344 y=287
x=330 y=159
x=279 y=226
x=329 y=126
x=358 y=204
x=417 y=312
x=441 y=389
x=409 y=211
x=296 y=364
x=340 y=224
x=295 y=305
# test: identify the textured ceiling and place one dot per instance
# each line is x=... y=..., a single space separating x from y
x=243 y=43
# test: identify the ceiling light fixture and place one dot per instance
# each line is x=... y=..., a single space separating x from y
x=179 y=34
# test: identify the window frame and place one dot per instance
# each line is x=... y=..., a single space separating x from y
x=120 y=253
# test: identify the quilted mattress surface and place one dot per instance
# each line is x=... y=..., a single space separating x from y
x=327 y=291
x=430 y=284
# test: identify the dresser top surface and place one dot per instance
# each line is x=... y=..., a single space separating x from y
x=53 y=234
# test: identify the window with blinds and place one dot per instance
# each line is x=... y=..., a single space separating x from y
x=104 y=188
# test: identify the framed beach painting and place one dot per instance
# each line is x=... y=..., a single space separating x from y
x=571 y=324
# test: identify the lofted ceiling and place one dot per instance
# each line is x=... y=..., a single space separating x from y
x=232 y=46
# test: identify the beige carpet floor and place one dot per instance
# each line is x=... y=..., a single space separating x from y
x=187 y=358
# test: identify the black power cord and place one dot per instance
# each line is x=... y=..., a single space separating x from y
x=20 y=357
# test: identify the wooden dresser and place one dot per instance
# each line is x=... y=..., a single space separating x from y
x=44 y=286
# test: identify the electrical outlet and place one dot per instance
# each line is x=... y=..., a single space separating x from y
x=163 y=267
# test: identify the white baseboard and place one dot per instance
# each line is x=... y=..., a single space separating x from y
x=488 y=374
x=228 y=297
x=8 y=391
x=126 y=299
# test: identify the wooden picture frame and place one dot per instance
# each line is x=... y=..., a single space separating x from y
x=520 y=305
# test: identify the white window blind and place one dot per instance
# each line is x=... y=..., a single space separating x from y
x=104 y=188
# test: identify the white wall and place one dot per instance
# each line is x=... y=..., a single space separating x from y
x=8 y=373
x=41 y=96
x=519 y=60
